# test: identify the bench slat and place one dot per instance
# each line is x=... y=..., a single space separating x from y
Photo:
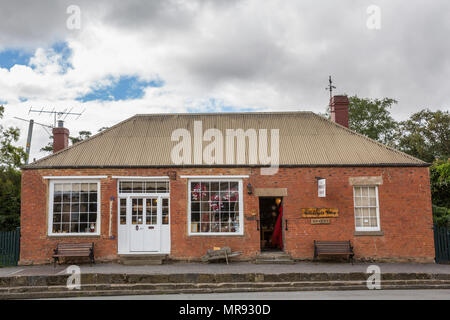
x=333 y=248
x=74 y=250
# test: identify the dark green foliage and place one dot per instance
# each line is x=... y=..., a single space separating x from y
x=11 y=158
x=426 y=135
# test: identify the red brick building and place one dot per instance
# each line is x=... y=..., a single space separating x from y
x=180 y=184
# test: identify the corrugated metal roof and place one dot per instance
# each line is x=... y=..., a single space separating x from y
x=305 y=139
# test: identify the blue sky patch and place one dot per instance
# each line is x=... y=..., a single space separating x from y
x=63 y=49
x=123 y=88
x=215 y=105
x=11 y=57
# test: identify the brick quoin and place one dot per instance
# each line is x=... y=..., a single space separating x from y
x=404 y=202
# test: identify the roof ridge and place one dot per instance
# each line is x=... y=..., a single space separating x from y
x=219 y=113
x=370 y=139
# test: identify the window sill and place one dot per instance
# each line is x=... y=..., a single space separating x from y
x=73 y=235
x=216 y=235
x=368 y=233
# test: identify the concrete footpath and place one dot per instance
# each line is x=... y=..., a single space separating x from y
x=27 y=282
x=235 y=267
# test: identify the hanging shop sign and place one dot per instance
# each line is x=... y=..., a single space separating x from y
x=319 y=213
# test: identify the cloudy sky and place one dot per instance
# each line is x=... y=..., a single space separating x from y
x=121 y=58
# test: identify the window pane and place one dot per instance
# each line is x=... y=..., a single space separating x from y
x=161 y=187
x=57 y=228
x=75 y=197
x=364 y=201
x=125 y=187
x=84 y=197
x=66 y=196
x=123 y=211
x=365 y=192
x=150 y=187
x=195 y=216
x=93 y=197
x=138 y=187
x=372 y=192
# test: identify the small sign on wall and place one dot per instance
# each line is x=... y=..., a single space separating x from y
x=319 y=213
x=320 y=221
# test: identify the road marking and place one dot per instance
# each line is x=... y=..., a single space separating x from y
x=63 y=271
x=17 y=271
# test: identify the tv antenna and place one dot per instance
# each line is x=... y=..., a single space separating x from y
x=31 y=122
x=60 y=114
x=330 y=87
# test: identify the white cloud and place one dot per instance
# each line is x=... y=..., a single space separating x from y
x=268 y=55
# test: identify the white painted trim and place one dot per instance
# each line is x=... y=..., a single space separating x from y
x=73 y=177
x=141 y=177
x=215 y=177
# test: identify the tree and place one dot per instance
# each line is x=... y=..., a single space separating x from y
x=426 y=135
x=10 y=155
x=372 y=118
x=11 y=158
x=82 y=135
x=440 y=183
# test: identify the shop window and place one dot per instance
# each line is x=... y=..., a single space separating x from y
x=215 y=207
x=74 y=207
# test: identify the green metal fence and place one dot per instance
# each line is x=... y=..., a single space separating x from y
x=442 y=244
x=9 y=248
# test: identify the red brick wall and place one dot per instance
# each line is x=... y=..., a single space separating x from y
x=404 y=199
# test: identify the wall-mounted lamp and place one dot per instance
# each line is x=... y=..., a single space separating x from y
x=321 y=187
x=249 y=188
x=278 y=201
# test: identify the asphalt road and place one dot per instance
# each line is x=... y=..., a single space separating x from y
x=427 y=294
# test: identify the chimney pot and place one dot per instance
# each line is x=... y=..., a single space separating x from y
x=60 y=137
x=339 y=110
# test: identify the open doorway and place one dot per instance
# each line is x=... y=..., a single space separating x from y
x=270 y=215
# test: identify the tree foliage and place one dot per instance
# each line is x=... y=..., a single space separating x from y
x=11 y=158
x=426 y=135
x=372 y=118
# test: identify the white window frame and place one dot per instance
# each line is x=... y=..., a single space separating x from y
x=50 y=208
x=378 y=228
x=241 y=207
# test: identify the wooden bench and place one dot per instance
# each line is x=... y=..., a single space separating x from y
x=74 y=250
x=222 y=253
x=333 y=248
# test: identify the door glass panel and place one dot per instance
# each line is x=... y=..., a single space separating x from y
x=151 y=213
x=123 y=211
x=165 y=211
x=137 y=211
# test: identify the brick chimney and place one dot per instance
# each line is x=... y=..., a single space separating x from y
x=339 y=110
x=60 y=137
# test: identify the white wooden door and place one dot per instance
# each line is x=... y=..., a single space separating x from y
x=145 y=227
